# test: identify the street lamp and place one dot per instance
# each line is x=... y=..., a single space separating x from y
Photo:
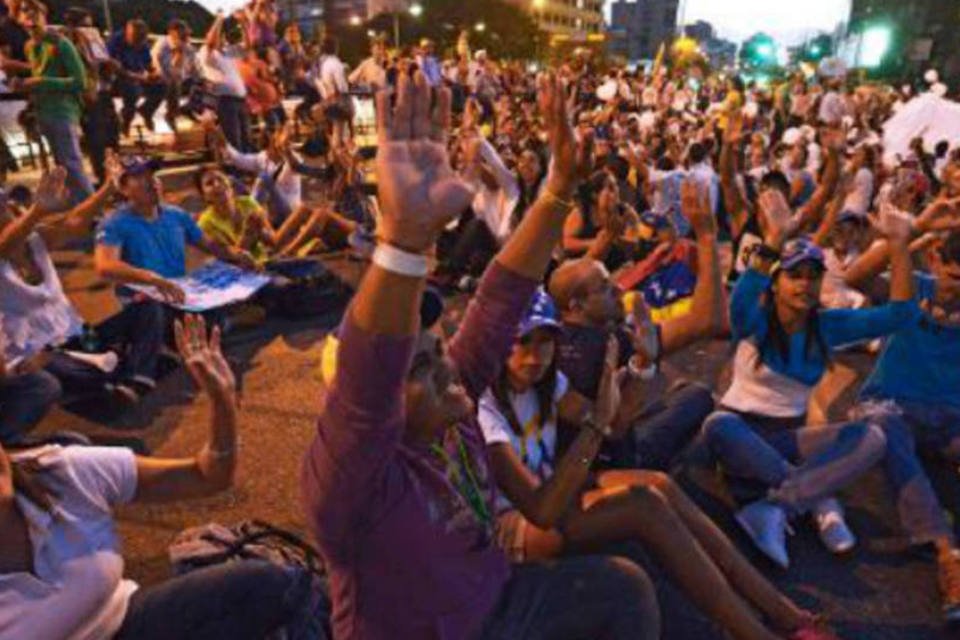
x=416 y=9
x=874 y=45
x=355 y=21
x=480 y=27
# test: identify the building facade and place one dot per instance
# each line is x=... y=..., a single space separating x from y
x=569 y=18
x=646 y=24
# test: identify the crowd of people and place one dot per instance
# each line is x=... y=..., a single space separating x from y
x=472 y=482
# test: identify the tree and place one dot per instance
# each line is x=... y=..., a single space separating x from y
x=759 y=52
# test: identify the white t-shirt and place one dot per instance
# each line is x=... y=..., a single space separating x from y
x=859 y=199
x=77 y=590
x=220 y=70
x=538 y=446
x=331 y=78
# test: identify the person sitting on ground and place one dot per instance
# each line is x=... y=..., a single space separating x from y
x=591 y=309
x=602 y=227
x=784 y=340
x=61 y=564
x=279 y=170
x=550 y=506
x=144 y=242
x=913 y=393
x=239 y=223
x=47 y=350
x=397 y=475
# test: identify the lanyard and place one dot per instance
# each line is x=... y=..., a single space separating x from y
x=467 y=487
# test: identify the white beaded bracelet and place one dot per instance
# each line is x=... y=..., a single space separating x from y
x=402 y=262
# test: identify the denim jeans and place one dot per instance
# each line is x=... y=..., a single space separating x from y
x=24 y=400
x=138 y=331
x=64 y=140
x=670 y=425
x=237 y=600
x=796 y=467
x=234 y=119
x=594 y=597
x=909 y=427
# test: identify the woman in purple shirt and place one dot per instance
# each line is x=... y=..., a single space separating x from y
x=396 y=484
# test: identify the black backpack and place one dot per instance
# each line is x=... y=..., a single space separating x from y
x=213 y=543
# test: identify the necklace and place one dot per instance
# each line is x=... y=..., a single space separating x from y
x=464 y=479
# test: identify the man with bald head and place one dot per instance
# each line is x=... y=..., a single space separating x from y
x=664 y=419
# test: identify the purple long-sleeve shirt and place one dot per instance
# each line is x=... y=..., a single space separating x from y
x=407 y=556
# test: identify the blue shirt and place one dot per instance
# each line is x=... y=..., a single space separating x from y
x=921 y=362
x=158 y=245
x=136 y=59
x=766 y=383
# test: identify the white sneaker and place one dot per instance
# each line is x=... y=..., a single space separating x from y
x=834 y=532
x=766 y=524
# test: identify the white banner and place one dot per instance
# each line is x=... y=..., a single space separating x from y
x=213 y=285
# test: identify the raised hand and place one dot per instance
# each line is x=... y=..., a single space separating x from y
x=570 y=158
x=203 y=357
x=419 y=192
x=943 y=214
x=112 y=168
x=695 y=205
x=51 y=193
x=892 y=223
x=776 y=218
x=608 y=394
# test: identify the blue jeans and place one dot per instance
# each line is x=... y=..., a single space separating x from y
x=64 y=139
x=24 y=400
x=238 y=600
x=797 y=467
x=598 y=597
x=910 y=426
x=670 y=425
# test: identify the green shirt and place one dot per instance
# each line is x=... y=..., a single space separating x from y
x=56 y=62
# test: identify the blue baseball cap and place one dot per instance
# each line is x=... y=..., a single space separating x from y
x=542 y=313
x=138 y=165
x=799 y=250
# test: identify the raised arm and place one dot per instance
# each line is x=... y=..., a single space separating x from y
x=212 y=469
x=810 y=213
x=737 y=207
x=483 y=341
x=362 y=417
x=707 y=316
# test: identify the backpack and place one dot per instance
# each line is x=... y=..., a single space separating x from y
x=213 y=543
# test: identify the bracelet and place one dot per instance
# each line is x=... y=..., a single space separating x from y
x=555 y=199
x=646 y=374
x=404 y=263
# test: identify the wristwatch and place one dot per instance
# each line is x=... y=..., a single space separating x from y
x=589 y=423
